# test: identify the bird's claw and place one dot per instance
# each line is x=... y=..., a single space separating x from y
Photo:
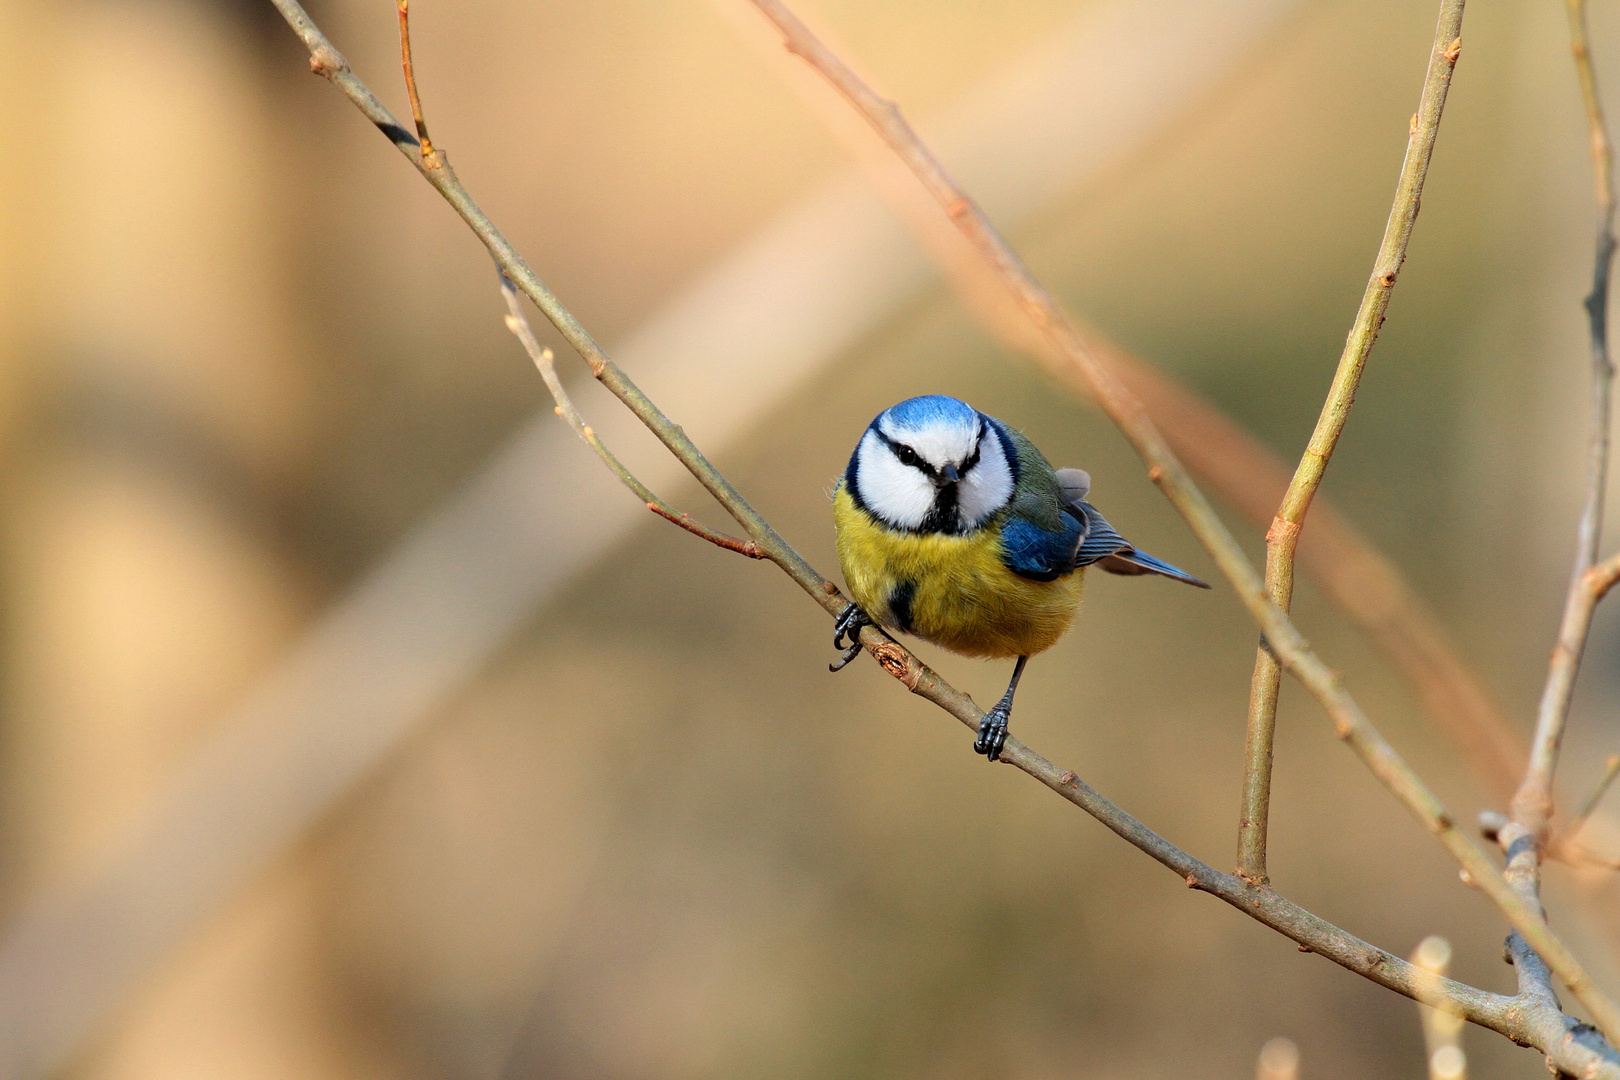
x=847 y=635
x=992 y=732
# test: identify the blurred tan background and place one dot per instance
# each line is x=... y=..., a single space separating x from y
x=244 y=351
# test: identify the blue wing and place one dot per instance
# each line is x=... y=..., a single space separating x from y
x=1109 y=550
x=1100 y=540
x=1040 y=554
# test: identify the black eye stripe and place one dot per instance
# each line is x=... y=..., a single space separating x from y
x=906 y=454
x=910 y=457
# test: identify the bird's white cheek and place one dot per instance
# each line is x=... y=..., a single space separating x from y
x=985 y=490
x=897 y=493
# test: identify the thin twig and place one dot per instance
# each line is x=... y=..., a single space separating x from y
x=1611 y=769
x=1283 y=537
x=1533 y=804
x=1524 y=838
x=1597 y=302
x=428 y=153
x=1508 y=1015
x=1166 y=470
x=518 y=323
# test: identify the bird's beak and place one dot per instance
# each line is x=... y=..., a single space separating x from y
x=949 y=474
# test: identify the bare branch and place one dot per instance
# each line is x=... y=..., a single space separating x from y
x=1524 y=838
x=1166 y=470
x=1504 y=1014
x=1597 y=302
x=428 y=154
x=543 y=360
x=1533 y=804
x=1283 y=537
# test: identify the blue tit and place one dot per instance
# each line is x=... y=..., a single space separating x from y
x=953 y=527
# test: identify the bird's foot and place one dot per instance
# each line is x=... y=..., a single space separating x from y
x=847 y=635
x=993 y=732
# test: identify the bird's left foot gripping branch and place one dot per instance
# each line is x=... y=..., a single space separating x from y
x=954 y=528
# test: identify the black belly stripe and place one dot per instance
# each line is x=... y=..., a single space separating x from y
x=900 y=604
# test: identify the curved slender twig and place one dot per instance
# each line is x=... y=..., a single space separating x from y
x=1283 y=537
x=518 y=323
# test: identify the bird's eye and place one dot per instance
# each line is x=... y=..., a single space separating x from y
x=907 y=455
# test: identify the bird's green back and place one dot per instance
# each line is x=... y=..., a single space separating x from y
x=1038 y=497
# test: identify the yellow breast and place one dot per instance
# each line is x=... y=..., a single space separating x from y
x=951 y=590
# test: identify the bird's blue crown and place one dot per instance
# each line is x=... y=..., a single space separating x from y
x=930 y=410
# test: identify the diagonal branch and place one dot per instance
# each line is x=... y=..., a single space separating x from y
x=1283 y=537
x=1510 y=1016
x=518 y=323
x=1164 y=469
x=1532 y=806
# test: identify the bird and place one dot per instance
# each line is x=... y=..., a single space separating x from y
x=954 y=528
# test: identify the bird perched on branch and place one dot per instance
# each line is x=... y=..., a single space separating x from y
x=953 y=527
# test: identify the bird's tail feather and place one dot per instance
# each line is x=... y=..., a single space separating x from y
x=1131 y=561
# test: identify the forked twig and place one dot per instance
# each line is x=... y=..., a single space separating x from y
x=1539 y=1026
x=518 y=323
x=1532 y=806
x=1166 y=470
x=1283 y=537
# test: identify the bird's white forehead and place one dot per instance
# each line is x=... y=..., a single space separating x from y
x=939 y=438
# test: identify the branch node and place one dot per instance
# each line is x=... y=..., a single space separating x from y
x=1281 y=528
x=326 y=62
x=896 y=661
x=1454 y=51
